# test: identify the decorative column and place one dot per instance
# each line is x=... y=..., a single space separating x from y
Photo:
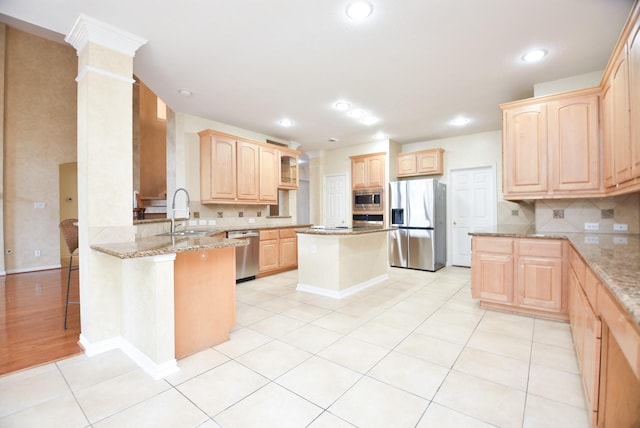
x=105 y=168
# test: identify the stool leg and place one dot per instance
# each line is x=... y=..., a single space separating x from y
x=66 y=307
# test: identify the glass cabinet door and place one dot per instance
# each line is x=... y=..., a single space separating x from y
x=288 y=170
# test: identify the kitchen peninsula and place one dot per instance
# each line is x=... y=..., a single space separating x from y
x=176 y=297
x=338 y=262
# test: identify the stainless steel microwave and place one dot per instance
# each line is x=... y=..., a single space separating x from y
x=366 y=200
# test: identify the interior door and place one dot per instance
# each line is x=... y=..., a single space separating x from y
x=473 y=208
x=336 y=200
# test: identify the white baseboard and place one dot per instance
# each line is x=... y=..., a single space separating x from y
x=155 y=370
x=334 y=294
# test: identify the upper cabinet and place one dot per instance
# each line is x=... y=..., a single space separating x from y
x=237 y=170
x=368 y=170
x=424 y=162
x=621 y=115
x=551 y=146
x=288 y=178
x=524 y=150
x=615 y=123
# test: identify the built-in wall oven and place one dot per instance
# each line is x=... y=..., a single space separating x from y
x=367 y=220
x=368 y=200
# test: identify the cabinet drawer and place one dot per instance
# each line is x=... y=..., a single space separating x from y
x=540 y=248
x=492 y=245
x=578 y=266
x=287 y=233
x=266 y=235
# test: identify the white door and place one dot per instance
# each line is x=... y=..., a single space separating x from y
x=336 y=200
x=473 y=208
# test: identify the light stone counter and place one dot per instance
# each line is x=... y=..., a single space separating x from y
x=159 y=245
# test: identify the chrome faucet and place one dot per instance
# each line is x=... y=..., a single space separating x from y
x=173 y=208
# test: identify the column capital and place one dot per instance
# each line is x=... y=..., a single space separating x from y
x=87 y=29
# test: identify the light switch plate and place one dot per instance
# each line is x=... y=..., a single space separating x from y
x=591 y=226
x=618 y=227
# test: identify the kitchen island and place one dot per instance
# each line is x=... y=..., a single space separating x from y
x=338 y=262
x=176 y=296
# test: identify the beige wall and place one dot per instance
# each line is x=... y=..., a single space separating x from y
x=40 y=133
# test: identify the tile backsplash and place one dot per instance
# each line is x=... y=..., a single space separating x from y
x=570 y=215
x=514 y=213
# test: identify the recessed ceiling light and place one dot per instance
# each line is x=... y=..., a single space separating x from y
x=341 y=105
x=185 y=92
x=534 y=55
x=369 y=120
x=380 y=135
x=333 y=140
x=359 y=10
x=356 y=113
x=460 y=121
x=285 y=122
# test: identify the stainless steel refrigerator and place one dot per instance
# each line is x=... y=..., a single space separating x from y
x=418 y=219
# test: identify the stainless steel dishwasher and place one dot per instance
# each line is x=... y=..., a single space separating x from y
x=246 y=256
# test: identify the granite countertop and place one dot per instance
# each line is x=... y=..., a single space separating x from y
x=333 y=231
x=615 y=258
x=158 y=245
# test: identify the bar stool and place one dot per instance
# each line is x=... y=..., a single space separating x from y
x=69 y=229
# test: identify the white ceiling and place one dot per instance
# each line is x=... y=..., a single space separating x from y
x=415 y=64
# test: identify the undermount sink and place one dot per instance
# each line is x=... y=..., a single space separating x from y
x=185 y=233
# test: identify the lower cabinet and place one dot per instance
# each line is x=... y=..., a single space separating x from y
x=278 y=251
x=519 y=274
x=586 y=330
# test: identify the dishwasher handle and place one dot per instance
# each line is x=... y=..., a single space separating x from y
x=239 y=234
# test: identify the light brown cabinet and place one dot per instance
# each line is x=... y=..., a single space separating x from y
x=236 y=170
x=520 y=275
x=551 y=146
x=423 y=162
x=492 y=269
x=615 y=124
x=269 y=163
x=368 y=171
x=585 y=328
x=288 y=178
x=278 y=250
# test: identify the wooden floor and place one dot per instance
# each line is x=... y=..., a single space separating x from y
x=32 y=322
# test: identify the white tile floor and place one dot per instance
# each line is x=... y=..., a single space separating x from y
x=416 y=351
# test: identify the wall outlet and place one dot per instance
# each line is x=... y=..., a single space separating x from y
x=591 y=226
x=591 y=240
x=620 y=227
x=193 y=222
x=252 y=220
x=212 y=222
x=202 y=222
x=620 y=240
x=38 y=253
